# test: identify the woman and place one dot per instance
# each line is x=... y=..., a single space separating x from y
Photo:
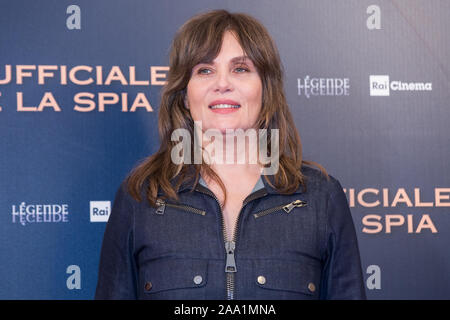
x=236 y=230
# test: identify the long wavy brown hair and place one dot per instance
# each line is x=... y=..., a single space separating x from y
x=200 y=39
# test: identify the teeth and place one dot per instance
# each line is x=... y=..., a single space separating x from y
x=224 y=106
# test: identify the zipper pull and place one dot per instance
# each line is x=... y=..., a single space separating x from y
x=231 y=263
x=297 y=203
x=161 y=206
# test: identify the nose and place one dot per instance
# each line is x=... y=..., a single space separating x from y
x=223 y=83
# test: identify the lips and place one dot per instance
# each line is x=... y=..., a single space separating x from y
x=224 y=106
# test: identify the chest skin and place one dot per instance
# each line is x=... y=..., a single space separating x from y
x=236 y=193
x=232 y=206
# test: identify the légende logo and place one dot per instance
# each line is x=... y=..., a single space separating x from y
x=39 y=213
x=100 y=210
x=311 y=86
x=381 y=86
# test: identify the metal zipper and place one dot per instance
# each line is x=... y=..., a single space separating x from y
x=230 y=246
x=287 y=208
x=230 y=268
x=161 y=204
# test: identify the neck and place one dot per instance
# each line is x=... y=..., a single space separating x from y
x=230 y=149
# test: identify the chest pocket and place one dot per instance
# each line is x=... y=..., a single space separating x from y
x=277 y=279
x=170 y=278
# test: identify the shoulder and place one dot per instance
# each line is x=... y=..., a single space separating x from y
x=317 y=180
x=123 y=191
x=130 y=192
x=125 y=203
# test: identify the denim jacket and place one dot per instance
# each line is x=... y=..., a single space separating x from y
x=297 y=246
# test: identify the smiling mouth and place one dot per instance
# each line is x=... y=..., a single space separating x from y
x=225 y=106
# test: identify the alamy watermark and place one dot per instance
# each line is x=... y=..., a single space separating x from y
x=234 y=146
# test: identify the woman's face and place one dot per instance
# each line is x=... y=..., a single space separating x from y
x=225 y=93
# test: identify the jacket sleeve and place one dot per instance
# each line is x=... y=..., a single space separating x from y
x=117 y=269
x=342 y=274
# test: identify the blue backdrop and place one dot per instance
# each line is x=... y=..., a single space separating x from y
x=367 y=82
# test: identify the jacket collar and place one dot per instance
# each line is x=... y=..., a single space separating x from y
x=189 y=183
x=272 y=190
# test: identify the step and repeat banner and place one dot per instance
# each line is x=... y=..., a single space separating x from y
x=368 y=83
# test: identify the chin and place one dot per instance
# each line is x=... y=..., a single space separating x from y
x=224 y=129
x=220 y=125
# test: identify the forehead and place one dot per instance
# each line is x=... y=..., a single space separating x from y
x=230 y=41
x=230 y=51
x=230 y=48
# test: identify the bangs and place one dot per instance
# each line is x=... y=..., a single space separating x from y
x=204 y=40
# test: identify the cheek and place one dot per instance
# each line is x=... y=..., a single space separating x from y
x=195 y=96
x=254 y=96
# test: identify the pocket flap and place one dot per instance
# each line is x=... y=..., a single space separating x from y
x=287 y=276
x=169 y=274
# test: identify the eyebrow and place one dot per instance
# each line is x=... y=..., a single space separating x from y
x=240 y=59
x=233 y=60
